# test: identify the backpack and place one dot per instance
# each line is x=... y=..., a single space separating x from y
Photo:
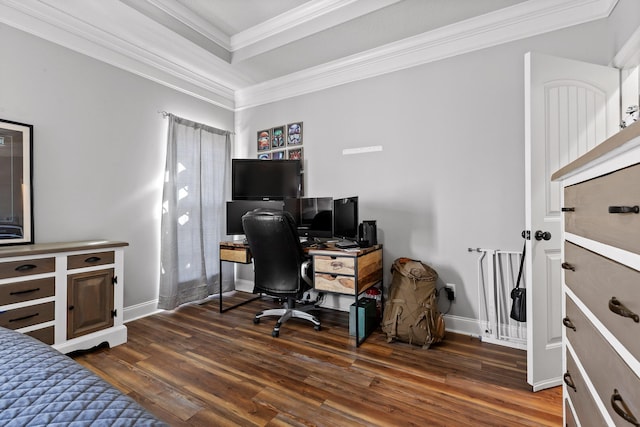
x=411 y=313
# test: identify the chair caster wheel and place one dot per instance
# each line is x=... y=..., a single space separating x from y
x=317 y=328
x=275 y=334
x=256 y=320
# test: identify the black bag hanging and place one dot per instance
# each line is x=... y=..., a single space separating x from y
x=519 y=295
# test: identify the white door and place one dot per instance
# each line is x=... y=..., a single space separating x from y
x=570 y=107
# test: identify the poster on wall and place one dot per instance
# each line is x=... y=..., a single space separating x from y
x=264 y=140
x=294 y=153
x=16 y=209
x=280 y=142
x=277 y=137
x=294 y=133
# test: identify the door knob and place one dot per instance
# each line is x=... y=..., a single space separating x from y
x=542 y=235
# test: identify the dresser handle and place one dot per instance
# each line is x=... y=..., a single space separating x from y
x=622 y=409
x=92 y=259
x=568 y=209
x=618 y=308
x=24 y=317
x=26 y=267
x=567 y=266
x=336 y=265
x=26 y=291
x=568 y=323
x=569 y=381
x=624 y=209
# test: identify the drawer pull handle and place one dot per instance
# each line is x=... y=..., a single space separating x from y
x=26 y=291
x=622 y=409
x=568 y=323
x=569 y=381
x=24 y=317
x=624 y=209
x=336 y=265
x=567 y=266
x=92 y=259
x=26 y=267
x=568 y=209
x=618 y=308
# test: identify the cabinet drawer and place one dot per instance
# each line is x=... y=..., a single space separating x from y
x=12 y=293
x=334 y=283
x=27 y=267
x=88 y=260
x=596 y=280
x=569 y=418
x=607 y=371
x=239 y=255
x=334 y=264
x=46 y=335
x=586 y=410
x=27 y=316
x=591 y=201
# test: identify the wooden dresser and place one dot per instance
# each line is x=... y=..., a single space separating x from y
x=68 y=295
x=601 y=275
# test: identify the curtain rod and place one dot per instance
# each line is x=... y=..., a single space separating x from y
x=165 y=114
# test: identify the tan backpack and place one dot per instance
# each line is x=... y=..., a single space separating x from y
x=411 y=313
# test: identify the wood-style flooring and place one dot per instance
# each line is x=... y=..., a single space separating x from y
x=197 y=367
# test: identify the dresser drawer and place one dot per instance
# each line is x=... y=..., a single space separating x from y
x=596 y=280
x=334 y=264
x=27 y=267
x=334 y=283
x=12 y=293
x=568 y=415
x=586 y=410
x=607 y=371
x=27 y=316
x=89 y=260
x=591 y=201
x=46 y=335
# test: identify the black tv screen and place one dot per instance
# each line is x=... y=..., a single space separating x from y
x=345 y=218
x=254 y=179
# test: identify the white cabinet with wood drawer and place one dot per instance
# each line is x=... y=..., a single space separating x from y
x=601 y=292
x=69 y=295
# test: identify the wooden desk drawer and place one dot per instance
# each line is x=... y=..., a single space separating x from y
x=596 y=280
x=27 y=316
x=12 y=293
x=239 y=255
x=586 y=410
x=46 y=335
x=334 y=264
x=607 y=371
x=89 y=260
x=591 y=201
x=27 y=267
x=334 y=283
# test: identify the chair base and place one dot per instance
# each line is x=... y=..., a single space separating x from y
x=285 y=314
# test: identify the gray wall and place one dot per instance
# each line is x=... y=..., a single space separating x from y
x=451 y=173
x=99 y=148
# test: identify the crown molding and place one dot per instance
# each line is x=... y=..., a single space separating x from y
x=131 y=42
x=517 y=22
x=302 y=21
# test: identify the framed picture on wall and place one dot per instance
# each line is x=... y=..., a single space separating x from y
x=16 y=199
x=264 y=140
x=264 y=156
x=295 y=154
x=277 y=137
x=294 y=133
x=279 y=155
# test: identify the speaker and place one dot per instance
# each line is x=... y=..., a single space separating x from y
x=367 y=232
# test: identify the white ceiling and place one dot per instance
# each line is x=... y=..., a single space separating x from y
x=241 y=53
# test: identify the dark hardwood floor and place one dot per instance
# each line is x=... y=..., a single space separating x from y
x=197 y=367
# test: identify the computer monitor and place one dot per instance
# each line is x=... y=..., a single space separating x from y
x=345 y=218
x=237 y=208
x=315 y=217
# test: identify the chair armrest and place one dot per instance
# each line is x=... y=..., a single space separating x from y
x=304 y=269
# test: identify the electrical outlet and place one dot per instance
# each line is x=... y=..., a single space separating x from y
x=451 y=291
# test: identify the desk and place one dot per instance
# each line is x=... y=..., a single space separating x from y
x=347 y=272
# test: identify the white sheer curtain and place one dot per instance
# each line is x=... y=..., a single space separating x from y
x=192 y=226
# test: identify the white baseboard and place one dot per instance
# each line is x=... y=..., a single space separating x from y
x=144 y=309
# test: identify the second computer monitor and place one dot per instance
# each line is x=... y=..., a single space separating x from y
x=315 y=217
x=345 y=218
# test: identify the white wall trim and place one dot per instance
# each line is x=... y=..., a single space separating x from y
x=138 y=311
x=523 y=20
x=629 y=54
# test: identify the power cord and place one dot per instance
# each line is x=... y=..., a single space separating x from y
x=450 y=296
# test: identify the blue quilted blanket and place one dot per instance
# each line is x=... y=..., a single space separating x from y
x=41 y=387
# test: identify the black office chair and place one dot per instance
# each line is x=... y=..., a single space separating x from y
x=280 y=265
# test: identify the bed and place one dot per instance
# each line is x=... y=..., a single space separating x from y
x=41 y=387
